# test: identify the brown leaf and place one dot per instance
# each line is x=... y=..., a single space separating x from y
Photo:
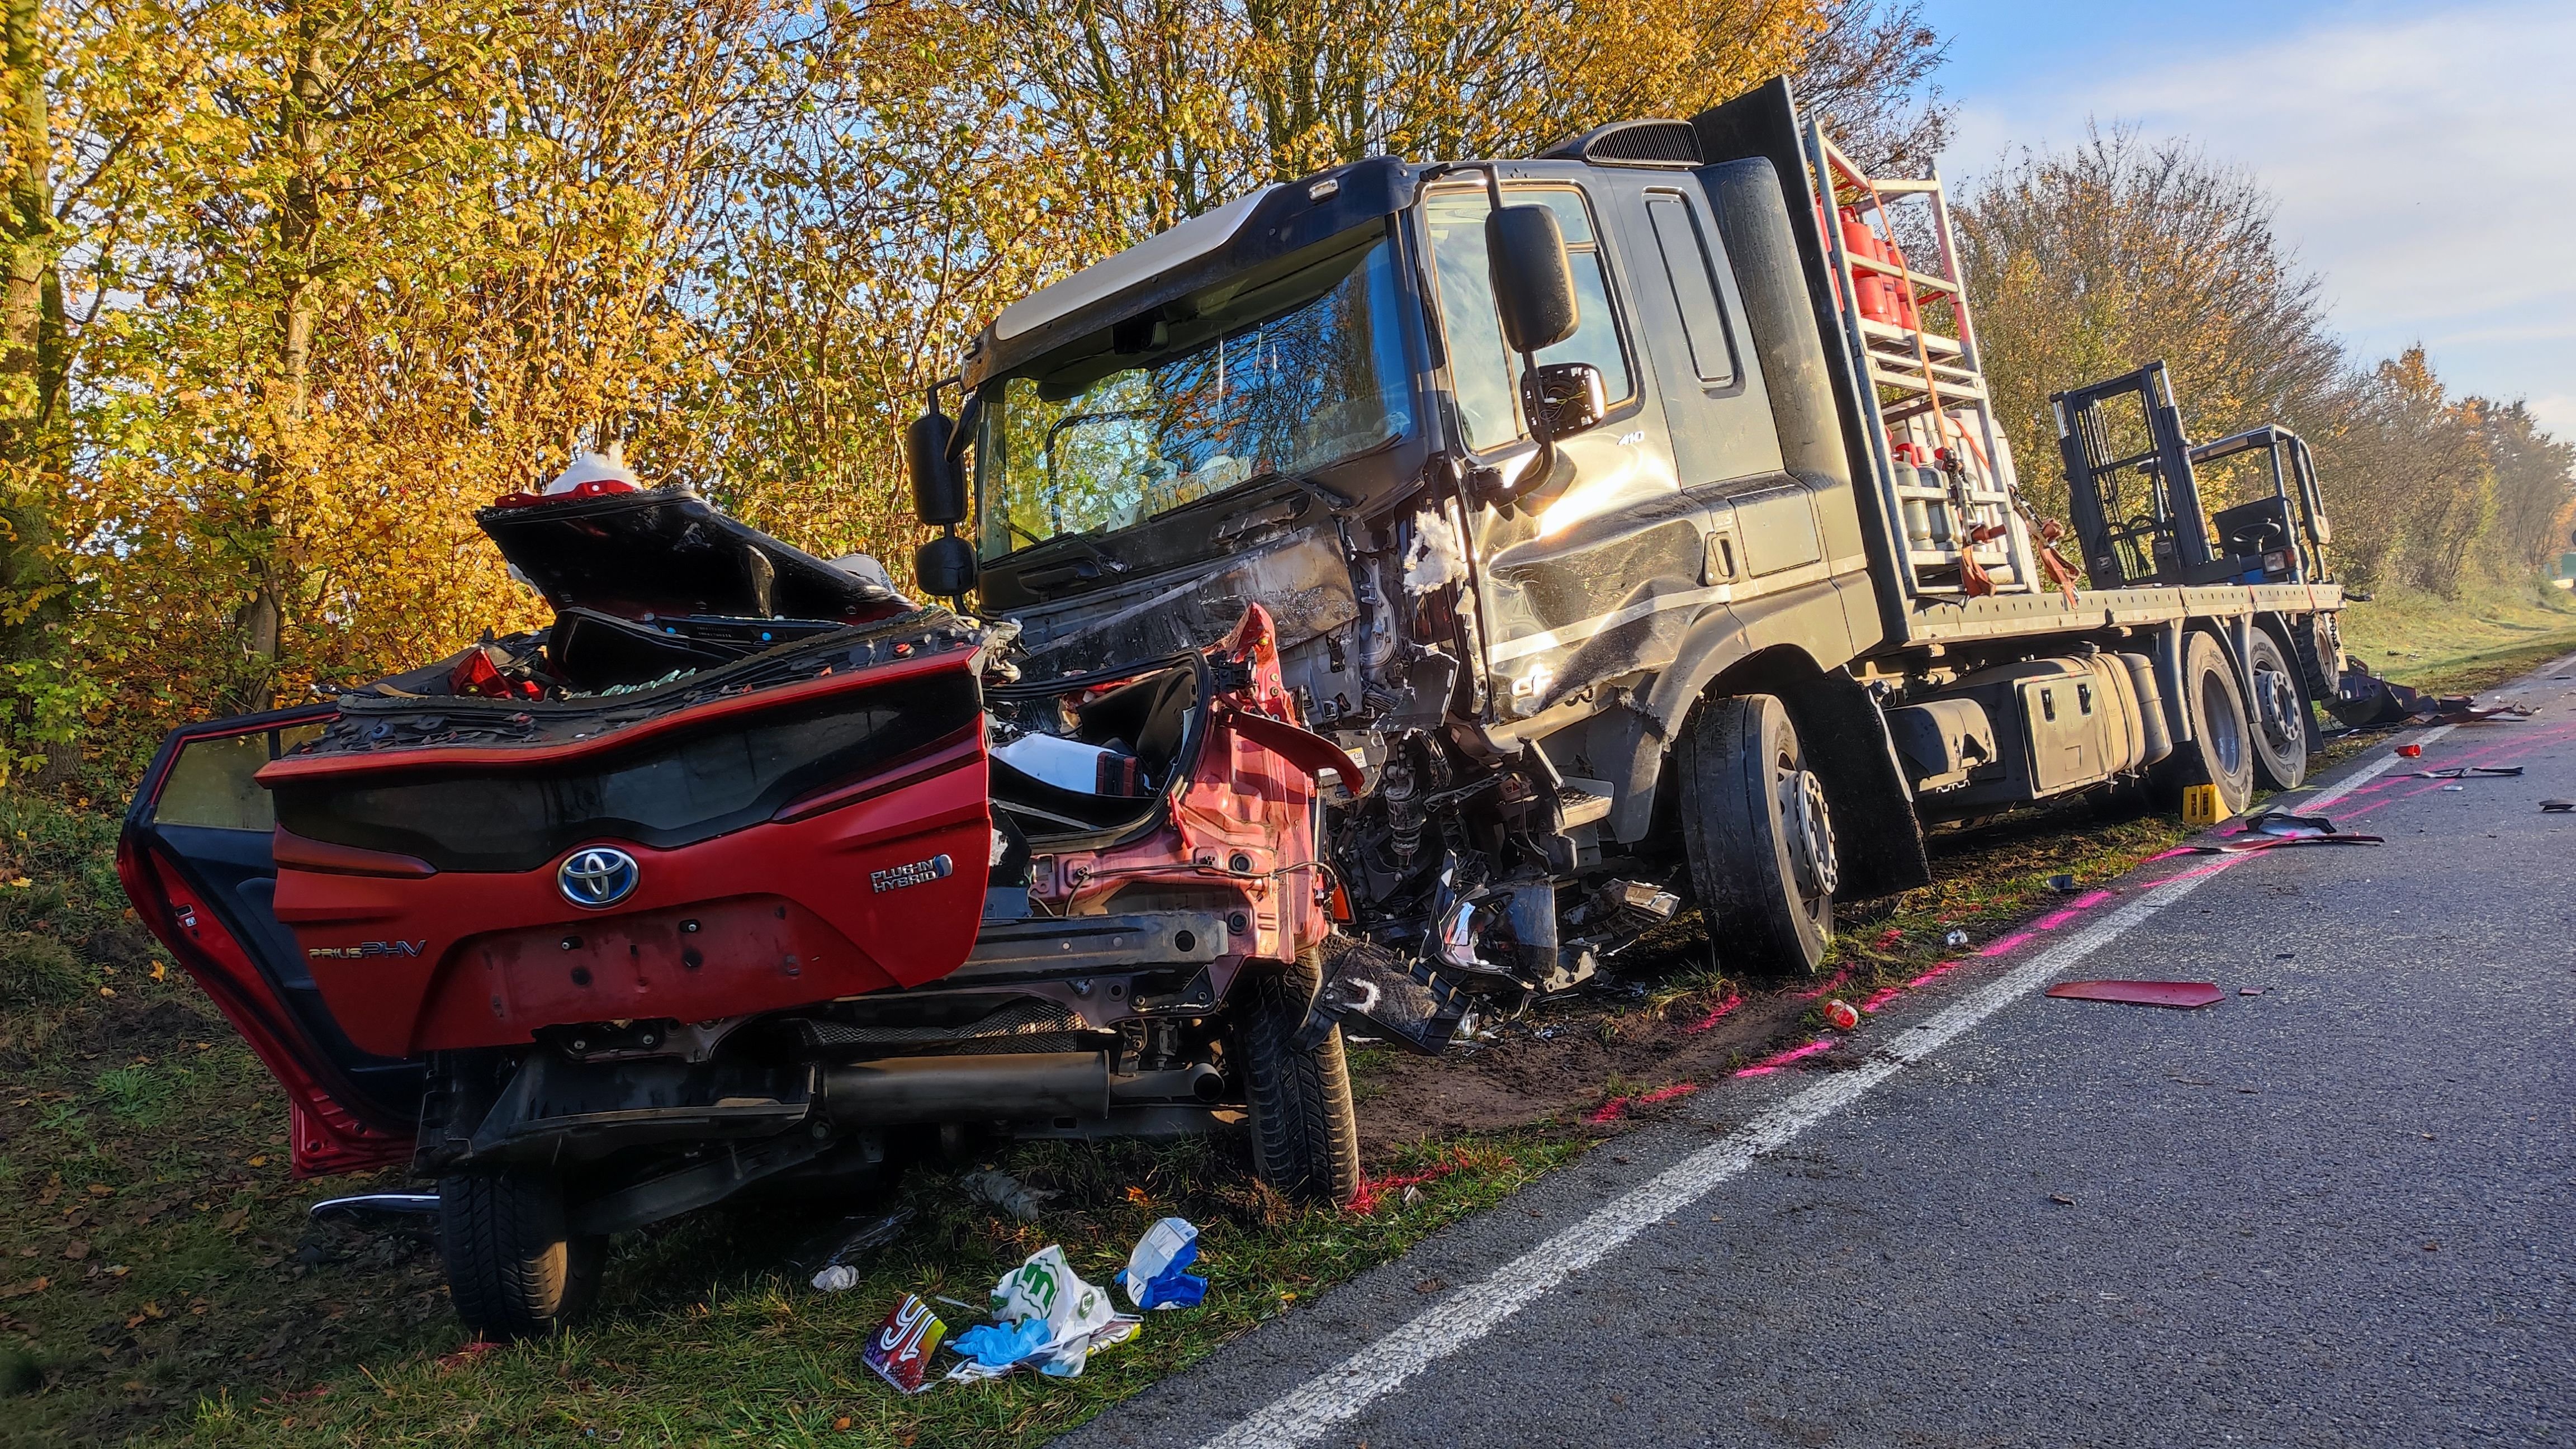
x=76 y=1250
x=100 y=1189
x=21 y=1290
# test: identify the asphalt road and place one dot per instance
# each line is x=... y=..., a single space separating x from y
x=2340 y=1212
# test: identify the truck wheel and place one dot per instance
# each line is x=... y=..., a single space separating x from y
x=1760 y=839
x=2280 y=716
x=512 y=1270
x=1305 y=1133
x=2219 y=751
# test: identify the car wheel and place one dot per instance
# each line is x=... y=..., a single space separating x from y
x=513 y=1271
x=1305 y=1133
x=1759 y=836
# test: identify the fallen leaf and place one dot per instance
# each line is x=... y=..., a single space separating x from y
x=1430 y=1285
x=100 y=1189
x=841 y=1424
x=21 y=1290
x=76 y=1250
x=160 y=972
x=260 y=1161
x=108 y=991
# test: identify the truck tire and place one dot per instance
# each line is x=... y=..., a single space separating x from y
x=1760 y=840
x=2219 y=751
x=1305 y=1133
x=2279 y=715
x=512 y=1269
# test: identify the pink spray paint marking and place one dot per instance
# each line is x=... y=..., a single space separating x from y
x=1935 y=974
x=1881 y=997
x=1720 y=1013
x=1667 y=1094
x=1610 y=1111
x=1997 y=948
x=1777 y=1060
x=2074 y=908
x=1837 y=979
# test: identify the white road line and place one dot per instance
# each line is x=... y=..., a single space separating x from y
x=1341 y=1392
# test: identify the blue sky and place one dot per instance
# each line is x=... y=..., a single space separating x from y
x=2424 y=156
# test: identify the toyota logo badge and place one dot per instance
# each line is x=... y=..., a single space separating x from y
x=597 y=877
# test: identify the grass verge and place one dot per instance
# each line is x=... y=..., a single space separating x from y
x=158 y=1274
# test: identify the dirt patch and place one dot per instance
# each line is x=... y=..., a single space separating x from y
x=1565 y=1063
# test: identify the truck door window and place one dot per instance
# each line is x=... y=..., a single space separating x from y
x=1483 y=371
x=1688 y=266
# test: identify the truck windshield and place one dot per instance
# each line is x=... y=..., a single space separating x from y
x=1283 y=375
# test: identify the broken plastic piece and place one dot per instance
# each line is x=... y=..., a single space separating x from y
x=2470 y=772
x=1157 y=1273
x=2283 y=823
x=2412 y=752
x=900 y=1352
x=2183 y=994
x=1006 y=1192
x=1955 y=940
x=2557 y=807
x=1841 y=1014
x=836 y=1274
x=2240 y=845
x=2064 y=885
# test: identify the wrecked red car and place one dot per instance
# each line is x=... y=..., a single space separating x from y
x=742 y=865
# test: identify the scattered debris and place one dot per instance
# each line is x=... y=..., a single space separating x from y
x=858 y=1235
x=2412 y=752
x=2284 y=823
x=2251 y=990
x=2469 y=772
x=1157 y=1274
x=1073 y=1320
x=900 y=1352
x=2557 y=807
x=2185 y=995
x=2064 y=885
x=2061 y=1199
x=1841 y=1015
x=2240 y=845
x=1006 y=1192
x=1955 y=939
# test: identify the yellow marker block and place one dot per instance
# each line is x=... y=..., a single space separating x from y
x=2200 y=806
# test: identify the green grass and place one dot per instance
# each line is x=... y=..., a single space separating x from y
x=2492 y=633
x=184 y=1294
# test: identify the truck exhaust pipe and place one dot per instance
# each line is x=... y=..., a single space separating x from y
x=1017 y=1086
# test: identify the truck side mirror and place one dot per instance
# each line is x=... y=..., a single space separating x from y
x=930 y=456
x=1533 y=278
x=945 y=567
x=1565 y=398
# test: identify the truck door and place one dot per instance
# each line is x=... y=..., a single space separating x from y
x=1583 y=580
x=196 y=860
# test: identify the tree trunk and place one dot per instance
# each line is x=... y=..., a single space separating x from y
x=32 y=436
x=288 y=392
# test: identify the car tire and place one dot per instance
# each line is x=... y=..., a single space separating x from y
x=2278 y=712
x=2220 y=751
x=513 y=1270
x=1759 y=837
x=1305 y=1132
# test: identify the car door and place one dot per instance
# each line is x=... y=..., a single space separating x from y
x=196 y=859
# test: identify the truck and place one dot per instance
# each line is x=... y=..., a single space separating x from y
x=1381 y=600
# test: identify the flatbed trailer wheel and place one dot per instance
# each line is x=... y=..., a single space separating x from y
x=513 y=1271
x=2279 y=715
x=2220 y=751
x=1760 y=839
x=1305 y=1133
